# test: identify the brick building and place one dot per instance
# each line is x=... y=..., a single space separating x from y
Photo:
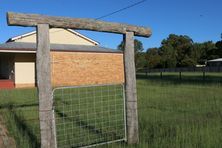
x=75 y=60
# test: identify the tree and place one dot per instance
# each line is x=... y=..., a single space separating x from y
x=204 y=51
x=153 y=58
x=138 y=48
x=219 y=48
x=198 y=54
x=219 y=44
x=175 y=50
x=141 y=60
x=181 y=51
x=168 y=56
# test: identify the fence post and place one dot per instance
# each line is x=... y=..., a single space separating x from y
x=203 y=73
x=44 y=87
x=130 y=89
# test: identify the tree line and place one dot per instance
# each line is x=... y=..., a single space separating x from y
x=175 y=51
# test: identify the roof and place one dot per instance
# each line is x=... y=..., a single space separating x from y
x=215 y=60
x=22 y=47
x=70 y=30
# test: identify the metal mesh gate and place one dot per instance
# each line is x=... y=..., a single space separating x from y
x=89 y=115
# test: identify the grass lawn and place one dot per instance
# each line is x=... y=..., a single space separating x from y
x=172 y=112
x=19 y=108
x=179 y=115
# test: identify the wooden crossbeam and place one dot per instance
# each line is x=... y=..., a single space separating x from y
x=21 y=19
x=43 y=23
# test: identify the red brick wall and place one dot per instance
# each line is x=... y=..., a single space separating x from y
x=85 y=68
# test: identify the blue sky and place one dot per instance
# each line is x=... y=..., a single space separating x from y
x=199 y=19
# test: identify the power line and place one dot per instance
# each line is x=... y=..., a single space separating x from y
x=122 y=9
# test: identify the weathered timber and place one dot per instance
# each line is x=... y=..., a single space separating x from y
x=130 y=88
x=20 y=19
x=43 y=23
x=44 y=87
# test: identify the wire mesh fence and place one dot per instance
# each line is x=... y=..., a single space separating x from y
x=89 y=115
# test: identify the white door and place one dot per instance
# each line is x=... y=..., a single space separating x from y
x=25 y=73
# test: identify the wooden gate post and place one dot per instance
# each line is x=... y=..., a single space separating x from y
x=130 y=89
x=44 y=87
x=43 y=65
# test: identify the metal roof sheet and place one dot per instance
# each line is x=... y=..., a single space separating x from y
x=216 y=60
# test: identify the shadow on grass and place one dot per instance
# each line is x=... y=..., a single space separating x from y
x=20 y=130
x=24 y=129
x=83 y=124
x=13 y=106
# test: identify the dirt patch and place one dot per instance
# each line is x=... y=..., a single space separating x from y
x=5 y=140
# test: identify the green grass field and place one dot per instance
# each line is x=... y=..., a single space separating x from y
x=19 y=108
x=179 y=114
x=172 y=112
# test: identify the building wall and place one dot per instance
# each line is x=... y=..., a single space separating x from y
x=72 y=68
x=58 y=36
x=24 y=70
x=82 y=68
